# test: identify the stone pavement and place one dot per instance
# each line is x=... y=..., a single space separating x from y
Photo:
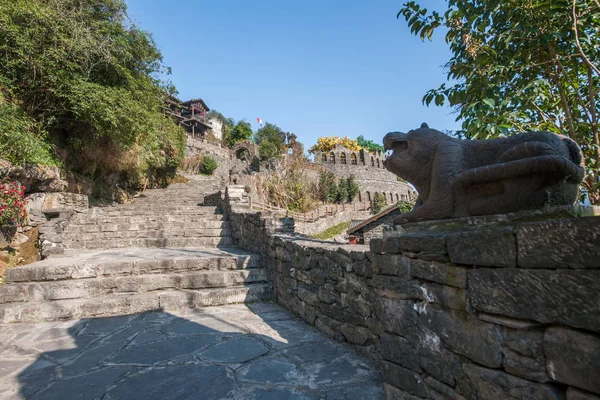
x=254 y=351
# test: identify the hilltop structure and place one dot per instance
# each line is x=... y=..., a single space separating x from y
x=368 y=171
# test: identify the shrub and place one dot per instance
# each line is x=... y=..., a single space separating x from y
x=405 y=206
x=12 y=203
x=328 y=190
x=208 y=165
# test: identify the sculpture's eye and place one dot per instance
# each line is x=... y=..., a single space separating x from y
x=400 y=145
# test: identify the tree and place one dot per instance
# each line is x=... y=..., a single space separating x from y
x=240 y=132
x=342 y=192
x=325 y=144
x=272 y=134
x=328 y=190
x=370 y=145
x=83 y=86
x=268 y=150
x=379 y=203
x=521 y=65
x=353 y=188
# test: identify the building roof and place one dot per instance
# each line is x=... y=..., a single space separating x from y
x=374 y=218
x=355 y=222
x=187 y=103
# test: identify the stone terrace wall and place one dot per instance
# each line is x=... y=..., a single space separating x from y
x=500 y=313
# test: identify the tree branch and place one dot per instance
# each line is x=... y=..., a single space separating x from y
x=578 y=43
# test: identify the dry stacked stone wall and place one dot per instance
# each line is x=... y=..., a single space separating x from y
x=503 y=312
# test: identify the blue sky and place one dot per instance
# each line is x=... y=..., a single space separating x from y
x=314 y=68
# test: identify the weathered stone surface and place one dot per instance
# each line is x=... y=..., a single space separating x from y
x=508 y=322
x=390 y=264
x=571 y=297
x=357 y=334
x=491 y=248
x=524 y=354
x=438 y=390
x=445 y=295
x=458 y=178
x=576 y=394
x=236 y=350
x=423 y=243
x=434 y=271
x=393 y=393
x=404 y=379
x=483 y=383
x=398 y=316
x=573 y=357
x=400 y=351
x=397 y=288
x=463 y=334
x=563 y=243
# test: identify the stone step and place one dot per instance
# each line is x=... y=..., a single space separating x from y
x=98 y=287
x=147 y=225
x=123 y=304
x=147 y=234
x=192 y=242
x=114 y=211
x=83 y=219
x=131 y=262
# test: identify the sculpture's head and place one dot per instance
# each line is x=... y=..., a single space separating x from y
x=412 y=151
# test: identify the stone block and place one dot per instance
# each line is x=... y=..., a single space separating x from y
x=376 y=245
x=397 y=316
x=464 y=334
x=440 y=391
x=359 y=305
x=576 y=394
x=401 y=351
x=357 y=335
x=483 y=383
x=391 y=245
x=363 y=268
x=391 y=264
x=524 y=354
x=488 y=248
x=562 y=243
x=328 y=295
x=423 y=243
x=447 y=296
x=443 y=273
x=397 y=288
x=573 y=358
x=404 y=379
x=393 y=393
x=570 y=297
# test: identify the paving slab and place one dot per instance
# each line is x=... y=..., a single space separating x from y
x=255 y=351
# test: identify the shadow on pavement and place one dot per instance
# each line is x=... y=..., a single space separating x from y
x=254 y=351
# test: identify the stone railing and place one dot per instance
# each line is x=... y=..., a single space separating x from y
x=507 y=310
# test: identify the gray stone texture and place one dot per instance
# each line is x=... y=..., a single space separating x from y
x=486 y=248
x=573 y=357
x=570 y=297
x=438 y=328
x=227 y=352
x=563 y=243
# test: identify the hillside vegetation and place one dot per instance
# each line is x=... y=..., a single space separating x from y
x=82 y=87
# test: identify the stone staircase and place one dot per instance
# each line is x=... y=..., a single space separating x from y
x=158 y=252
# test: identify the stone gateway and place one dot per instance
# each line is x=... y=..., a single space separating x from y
x=458 y=178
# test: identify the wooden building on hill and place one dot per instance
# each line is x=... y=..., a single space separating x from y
x=194 y=117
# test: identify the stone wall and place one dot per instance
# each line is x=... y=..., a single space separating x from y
x=312 y=228
x=507 y=311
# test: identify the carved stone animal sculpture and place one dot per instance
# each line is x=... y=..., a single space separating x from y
x=457 y=178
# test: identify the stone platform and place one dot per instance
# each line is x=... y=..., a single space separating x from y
x=259 y=351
